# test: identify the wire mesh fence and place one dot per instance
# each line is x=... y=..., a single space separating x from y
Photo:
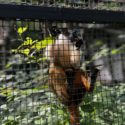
x=25 y=96
x=115 y=5
x=48 y=70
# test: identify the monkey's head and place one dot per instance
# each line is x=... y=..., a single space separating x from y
x=76 y=39
x=74 y=36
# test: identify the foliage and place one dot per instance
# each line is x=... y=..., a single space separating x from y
x=105 y=106
x=32 y=49
x=25 y=91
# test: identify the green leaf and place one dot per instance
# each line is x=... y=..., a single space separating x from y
x=87 y=108
x=8 y=65
x=21 y=30
x=11 y=117
x=27 y=43
x=42 y=59
x=24 y=51
x=39 y=121
x=14 y=51
x=4 y=106
x=103 y=52
x=99 y=42
x=43 y=43
x=115 y=51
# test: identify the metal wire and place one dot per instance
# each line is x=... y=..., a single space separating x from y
x=115 y=5
x=25 y=95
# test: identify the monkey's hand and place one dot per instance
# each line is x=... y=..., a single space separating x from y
x=82 y=79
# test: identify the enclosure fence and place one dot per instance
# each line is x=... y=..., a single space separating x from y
x=39 y=86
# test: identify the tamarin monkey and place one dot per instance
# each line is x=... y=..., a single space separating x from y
x=68 y=82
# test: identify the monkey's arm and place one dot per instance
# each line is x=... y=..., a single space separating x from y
x=82 y=84
x=87 y=81
x=82 y=79
x=58 y=83
x=94 y=72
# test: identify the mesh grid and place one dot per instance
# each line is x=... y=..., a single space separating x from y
x=115 y=5
x=69 y=71
x=26 y=98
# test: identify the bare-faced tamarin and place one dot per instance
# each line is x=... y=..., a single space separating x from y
x=68 y=82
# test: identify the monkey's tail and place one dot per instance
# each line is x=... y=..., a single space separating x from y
x=74 y=114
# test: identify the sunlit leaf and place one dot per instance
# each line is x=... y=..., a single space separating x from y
x=21 y=30
x=11 y=117
x=42 y=59
x=27 y=43
x=101 y=53
x=4 y=106
x=43 y=43
x=14 y=51
x=115 y=51
x=39 y=121
x=25 y=51
x=8 y=65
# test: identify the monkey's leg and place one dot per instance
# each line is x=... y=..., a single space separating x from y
x=74 y=114
x=58 y=83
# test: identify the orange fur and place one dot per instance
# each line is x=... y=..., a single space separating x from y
x=64 y=55
x=58 y=82
x=74 y=114
x=82 y=78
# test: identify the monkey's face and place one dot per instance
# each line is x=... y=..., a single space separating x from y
x=76 y=39
x=74 y=35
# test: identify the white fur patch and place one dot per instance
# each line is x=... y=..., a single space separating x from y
x=64 y=44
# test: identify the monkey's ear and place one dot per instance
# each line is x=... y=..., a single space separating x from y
x=54 y=30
